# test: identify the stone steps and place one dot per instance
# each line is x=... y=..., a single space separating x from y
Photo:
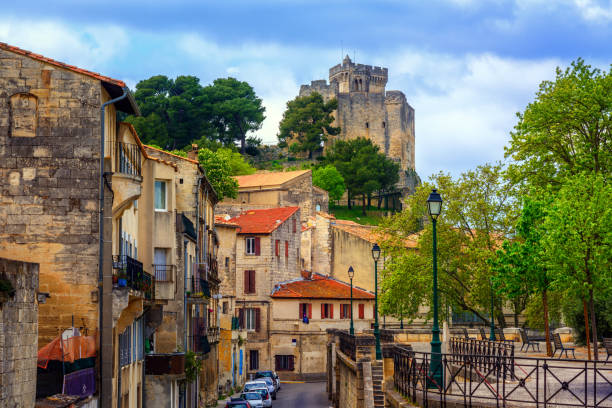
x=377 y=384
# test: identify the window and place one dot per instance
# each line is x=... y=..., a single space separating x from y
x=284 y=363
x=318 y=207
x=294 y=226
x=160 y=260
x=252 y=246
x=367 y=125
x=384 y=125
x=160 y=196
x=345 y=311
x=361 y=311
x=254 y=359
x=249 y=319
x=286 y=249
x=227 y=261
x=305 y=309
x=277 y=247
x=225 y=307
x=327 y=311
x=249 y=281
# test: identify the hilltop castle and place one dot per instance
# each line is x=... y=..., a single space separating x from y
x=365 y=109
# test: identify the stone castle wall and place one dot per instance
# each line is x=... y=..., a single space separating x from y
x=366 y=110
x=49 y=168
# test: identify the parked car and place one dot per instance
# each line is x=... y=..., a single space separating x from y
x=254 y=398
x=266 y=397
x=261 y=382
x=270 y=374
x=238 y=403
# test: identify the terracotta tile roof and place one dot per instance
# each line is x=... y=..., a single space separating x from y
x=274 y=179
x=225 y=219
x=42 y=58
x=171 y=154
x=318 y=287
x=369 y=233
x=262 y=221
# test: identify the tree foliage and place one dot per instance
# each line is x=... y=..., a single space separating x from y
x=306 y=123
x=219 y=173
x=364 y=168
x=329 y=179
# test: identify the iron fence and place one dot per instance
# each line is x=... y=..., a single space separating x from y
x=163 y=273
x=536 y=382
x=127 y=158
x=485 y=355
x=129 y=269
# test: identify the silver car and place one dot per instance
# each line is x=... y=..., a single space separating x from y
x=261 y=382
x=265 y=396
x=254 y=398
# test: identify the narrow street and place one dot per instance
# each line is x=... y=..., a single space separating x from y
x=300 y=395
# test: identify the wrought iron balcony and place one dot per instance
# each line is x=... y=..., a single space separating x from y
x=127 y=159
x=163 y=273
x=197 y=286
x=128 y=272
x=213 y=334
x=198 y=340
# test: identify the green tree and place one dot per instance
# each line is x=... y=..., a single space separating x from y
x=306 y=123
x=235 y=110
x=330 y=180
x=238 y=165
x=578 y=242
x=364 y=169
x=219 y=173
x=566 y=130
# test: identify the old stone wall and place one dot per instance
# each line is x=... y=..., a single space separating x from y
x=19 y=334
x=49 y=175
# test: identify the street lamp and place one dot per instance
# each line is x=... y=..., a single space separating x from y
x=351 y=273
x=376 y=256
x=492 y=334
x=434 y=207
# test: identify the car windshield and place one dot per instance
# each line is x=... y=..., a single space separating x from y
x=251 y=396
x=263 y=392
x=264 y=374
x=268 y=381
x=250 y=386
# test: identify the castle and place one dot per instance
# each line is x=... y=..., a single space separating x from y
x=365 y=109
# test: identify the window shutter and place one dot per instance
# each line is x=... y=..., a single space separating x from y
x=247 y=281
x=291 y=366
x=286 y=249
x=310 y=311
x=322 y=310
x=257 y=246
x=257 y=320
x=252 y=282
x=300 y=316
x=277 y=363
x=361 y=311
x=331 y=310
x=277 y=247
x=342 y=311
x=241 y=318
x=294 y=228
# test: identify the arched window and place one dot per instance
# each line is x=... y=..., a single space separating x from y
x=360 y=85
x=356 y=84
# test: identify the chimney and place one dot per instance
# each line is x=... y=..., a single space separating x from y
x=193 y=153
x=306 y=274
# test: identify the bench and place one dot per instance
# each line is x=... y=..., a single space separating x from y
x=607 y=342
x=528 y=342
x=559 y=346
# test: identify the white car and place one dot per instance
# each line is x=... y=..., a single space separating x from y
x=265 y=396
x=261 y=383
x=254 y=399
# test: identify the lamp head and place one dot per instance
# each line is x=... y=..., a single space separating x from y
x=434 y=204
x=351 y=272
x=376 y=252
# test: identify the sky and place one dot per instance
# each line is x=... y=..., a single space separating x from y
x=466 y=66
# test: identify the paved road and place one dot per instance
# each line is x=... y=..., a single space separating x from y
x=302 y=395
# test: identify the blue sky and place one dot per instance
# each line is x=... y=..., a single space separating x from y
x=466 y=66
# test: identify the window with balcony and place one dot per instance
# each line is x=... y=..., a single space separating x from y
x=161 y=265
x=160 y=196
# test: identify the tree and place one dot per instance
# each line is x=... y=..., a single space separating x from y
x=219 y=173
x=306 y=123
x=566 y=130
x=363 y=167
x=578 y=242
x=329 y=179
x=238 y=165
x=235 y=110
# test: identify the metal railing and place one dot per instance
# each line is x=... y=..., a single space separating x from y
x=129 y=269
x=197 y=286
x=536 y=382
x=163 y=273
x=213 y=334
x=198 y=338
x=485 y=355
x=127 y=158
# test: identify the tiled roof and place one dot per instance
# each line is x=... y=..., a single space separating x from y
x=369 y=233
x=42 y=58
x=262 y=221
x=275 y=179
x=171 y=154
x=319 y=287
x=224 y=219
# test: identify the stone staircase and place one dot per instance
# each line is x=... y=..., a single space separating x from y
x=377 y=382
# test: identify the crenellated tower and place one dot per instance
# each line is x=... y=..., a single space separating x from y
x=367 y=109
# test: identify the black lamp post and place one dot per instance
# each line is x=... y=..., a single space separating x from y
x=434 y=207
x=492 y=334
x=351 y=273
x=376 y=256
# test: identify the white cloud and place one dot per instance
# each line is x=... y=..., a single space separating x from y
x=590 y=10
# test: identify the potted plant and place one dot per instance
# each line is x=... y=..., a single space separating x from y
x=122 y=280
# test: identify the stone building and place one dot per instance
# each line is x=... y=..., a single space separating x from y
x=258 y=248
x=19 y=328
x=366 y=109
x=277 y=189
x=298 y=345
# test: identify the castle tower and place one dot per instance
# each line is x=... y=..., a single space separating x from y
x=366 y=109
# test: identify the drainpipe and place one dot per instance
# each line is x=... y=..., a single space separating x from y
x=186 y=264
x=106 y=336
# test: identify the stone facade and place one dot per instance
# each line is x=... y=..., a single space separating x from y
x=18 y=334
x=365 y=109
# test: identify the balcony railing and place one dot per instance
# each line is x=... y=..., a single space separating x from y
x=128 y=272
x=163 y=273
x=197 y=286
x=127 y=158
x=165 y=364
x=213 y=266
x=198 y=340
x=213 y=334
